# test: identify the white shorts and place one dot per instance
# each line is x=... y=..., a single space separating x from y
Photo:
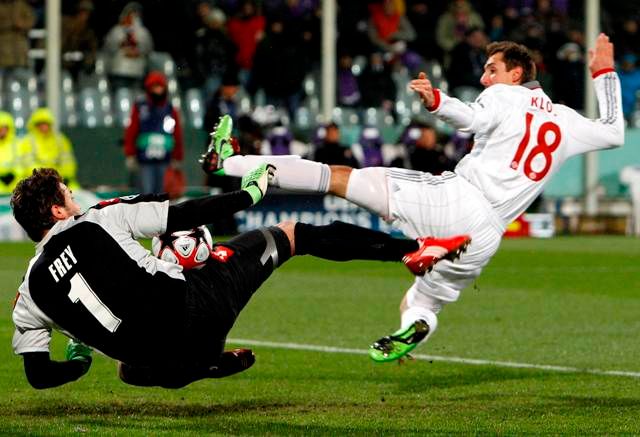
x=421 y=204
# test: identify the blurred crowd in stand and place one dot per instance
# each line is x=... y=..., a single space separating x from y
x=259 y=60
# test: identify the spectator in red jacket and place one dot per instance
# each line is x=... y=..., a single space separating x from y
x=153 y=140
x=246 y=30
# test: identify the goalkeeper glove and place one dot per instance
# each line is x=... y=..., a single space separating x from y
x=76 y=351
x=257 y=180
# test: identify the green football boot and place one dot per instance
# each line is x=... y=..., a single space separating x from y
x=221 y=147
x=400 y=343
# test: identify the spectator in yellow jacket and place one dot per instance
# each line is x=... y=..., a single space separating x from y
x=10 y=169
x=43 y=146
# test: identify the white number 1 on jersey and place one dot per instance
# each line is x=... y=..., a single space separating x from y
x=82 y=292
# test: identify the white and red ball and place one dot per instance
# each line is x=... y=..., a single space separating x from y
x=190 y=249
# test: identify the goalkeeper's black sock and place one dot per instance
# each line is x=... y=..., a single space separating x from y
x=341 y=241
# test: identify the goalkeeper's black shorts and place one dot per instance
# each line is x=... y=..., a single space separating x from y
x=220 y=290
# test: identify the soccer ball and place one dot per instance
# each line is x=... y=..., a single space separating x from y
x=190 y=249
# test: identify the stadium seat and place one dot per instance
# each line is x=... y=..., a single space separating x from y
x=345 y=116
x=18 y=103
x=174 y=93
x=162 y=61
x=194 y=107
x=303 y=118
x=95 y=108
x=100 y=67
x=68 y=114
x=359 y=63
x=466 y=93
x=378 y=117
x=123 y=102
x=67 y=82
x=310 y=85
x=99 y=82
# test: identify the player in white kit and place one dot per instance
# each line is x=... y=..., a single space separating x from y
x=521 y=140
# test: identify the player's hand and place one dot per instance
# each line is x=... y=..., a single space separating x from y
x=76 y=351
x=601 y=56
x=131 y=163
x=257 y=180
x=423 y=87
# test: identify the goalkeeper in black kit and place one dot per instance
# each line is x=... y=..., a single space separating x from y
x=91 y=280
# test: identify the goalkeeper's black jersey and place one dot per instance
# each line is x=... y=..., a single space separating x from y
x=92 y=280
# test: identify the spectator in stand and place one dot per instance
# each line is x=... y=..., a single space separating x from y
x=128 y=45
x=224 y=101
x=79 y=43
x=423 y=16
x=627 y=39
x=280 y=141
x=250 y=135
x=279 y=67
x=352 y=27
x=569 y=71
x=11 y=170
x=44 y=146
x=452 y=25
x=629 y=83
x=246 y=29
x=303 y=17
x=16 y=19
x=347 y=84
x=467 y=61
x=329 y=149
x=376 y=84
x=368 y=149
x=153 y=140
x=389 y=29
x=215 y=52
x=424 y=151
x=496 y=30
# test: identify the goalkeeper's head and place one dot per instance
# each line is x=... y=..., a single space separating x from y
x=40 y=200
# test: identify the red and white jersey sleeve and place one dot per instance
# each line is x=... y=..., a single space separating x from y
x=522 y=138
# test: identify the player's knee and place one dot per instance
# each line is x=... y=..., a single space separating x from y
x=367 y=188
x=288 y=228
x=339 y=179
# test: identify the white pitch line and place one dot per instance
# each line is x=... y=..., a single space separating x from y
x=459 y=360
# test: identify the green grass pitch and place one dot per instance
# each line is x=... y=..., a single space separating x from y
x=566 y=302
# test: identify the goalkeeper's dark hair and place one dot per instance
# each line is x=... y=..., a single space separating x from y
x=33 y=198
x=515 y=55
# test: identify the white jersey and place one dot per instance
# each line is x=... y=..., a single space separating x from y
x=522 y=138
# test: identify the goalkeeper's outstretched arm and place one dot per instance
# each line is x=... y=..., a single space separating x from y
x=42 y=372
x=202 y=211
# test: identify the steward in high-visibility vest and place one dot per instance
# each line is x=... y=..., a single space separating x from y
x=45 y=147
x=11 y=170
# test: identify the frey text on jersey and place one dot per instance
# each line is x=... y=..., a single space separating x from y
x=62 y=264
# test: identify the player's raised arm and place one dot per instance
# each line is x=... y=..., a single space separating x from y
x=608 y=130
x=422 y=86
x=451 y=110
x=601 y=56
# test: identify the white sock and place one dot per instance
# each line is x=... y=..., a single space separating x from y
x=292 y=172
x=412 y=314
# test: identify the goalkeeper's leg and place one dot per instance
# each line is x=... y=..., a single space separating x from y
x=230 y=363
